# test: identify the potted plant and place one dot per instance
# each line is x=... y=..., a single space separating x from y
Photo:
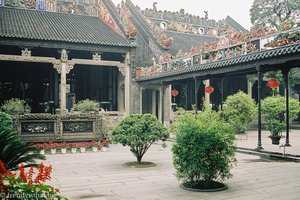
x=105 y=145
x=74 y=147
x=53 y=146
x=275 y=127
x=203 y=151
x=82 y=146
x=63 y=147
x=273 y=109
x=95 y=145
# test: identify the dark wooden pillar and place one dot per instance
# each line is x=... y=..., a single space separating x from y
x=259 y=84
x=185 y=95
x=221 y=89
x=163 y=86
x=285 y=74
x=196 y=94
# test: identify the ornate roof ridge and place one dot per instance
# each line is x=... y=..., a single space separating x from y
x=180 y=16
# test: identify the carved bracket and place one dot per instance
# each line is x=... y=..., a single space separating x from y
x=122 y=70
x=58 y=64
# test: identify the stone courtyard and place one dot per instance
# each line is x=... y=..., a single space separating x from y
x=103 y=176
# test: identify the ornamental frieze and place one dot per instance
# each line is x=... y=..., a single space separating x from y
x=37 y=127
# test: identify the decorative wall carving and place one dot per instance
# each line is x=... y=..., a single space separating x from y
x=77 y=126
x=96 y=56
x=37 y=127
x=26 y=52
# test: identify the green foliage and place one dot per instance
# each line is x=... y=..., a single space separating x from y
x=273 y=107
x=17 y=189
x=13 y=150
x=275 y=126
x=15 y=106
x=87 y=105
x=5 y=121
x=240 y=110
x=139 y=132
x=204 y=147
x=272 y=13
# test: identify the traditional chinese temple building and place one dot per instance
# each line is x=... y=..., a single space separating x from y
x=54 y=53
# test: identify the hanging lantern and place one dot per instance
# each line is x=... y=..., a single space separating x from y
x=174 y=93
x=273 y=84
x=209 y=89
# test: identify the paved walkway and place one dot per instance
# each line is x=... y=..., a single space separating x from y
x=250 y=141
x=102 y=175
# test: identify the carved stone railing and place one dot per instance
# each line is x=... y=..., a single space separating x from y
x=44 y=127
x=66 y=127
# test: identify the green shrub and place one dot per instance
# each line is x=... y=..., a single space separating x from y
x=240 y=111
x=139 y=132
x=87 y=105
x=204 y=149
x=273 y=107
x=16 y=106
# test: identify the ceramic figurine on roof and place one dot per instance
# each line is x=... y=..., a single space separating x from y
x=125 y=15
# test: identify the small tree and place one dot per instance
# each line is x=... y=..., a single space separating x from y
x=240 y=110
x=203 y=151
x=139 y=132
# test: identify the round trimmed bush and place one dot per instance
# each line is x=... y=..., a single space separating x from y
x=204 y=150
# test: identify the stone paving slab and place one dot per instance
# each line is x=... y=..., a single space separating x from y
x=103 y=176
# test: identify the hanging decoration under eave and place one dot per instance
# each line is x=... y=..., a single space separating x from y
x=273 y=84
x=209 y=89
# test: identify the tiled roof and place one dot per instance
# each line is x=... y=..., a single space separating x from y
x=59 y=27
x=235 y=25
x=226 y=63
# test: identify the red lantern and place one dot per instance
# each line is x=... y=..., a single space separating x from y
x=209 y=89
x=273 y=84
x=174 y=92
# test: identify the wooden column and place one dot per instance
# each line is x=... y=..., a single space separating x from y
x=259 y=82
x=285 y=74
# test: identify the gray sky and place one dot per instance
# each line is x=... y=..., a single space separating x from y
x=217 y=9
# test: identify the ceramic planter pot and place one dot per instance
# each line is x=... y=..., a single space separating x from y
x=82 y=149
x=63 y=150
x=42 y=151
x=53 y=151
x=95 y=149
x=73 y=150
x=275 y=139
